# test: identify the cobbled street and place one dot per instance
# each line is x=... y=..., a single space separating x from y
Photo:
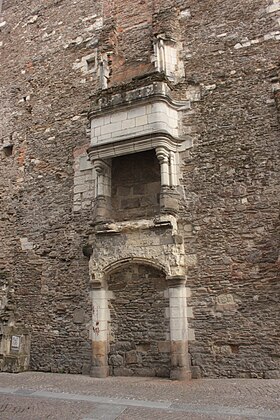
x=33 y=395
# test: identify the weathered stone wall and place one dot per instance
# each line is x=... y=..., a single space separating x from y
x=231 y=182
x=135 y=186
x=230 y=213
x=139 y=333
x=45 y=101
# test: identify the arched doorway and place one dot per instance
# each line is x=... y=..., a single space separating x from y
x=139 y=325
x=139 y=321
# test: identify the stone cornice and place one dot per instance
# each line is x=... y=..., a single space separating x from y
x=133 y=145
x=109 y=101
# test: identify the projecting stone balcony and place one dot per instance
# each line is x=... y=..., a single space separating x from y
x=135 y=120
x=136 y=139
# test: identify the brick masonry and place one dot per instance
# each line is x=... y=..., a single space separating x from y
x=230 y=210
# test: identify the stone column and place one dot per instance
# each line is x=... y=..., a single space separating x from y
x=163 y=157
x=100 y=315
x=102 y=191
x=168 y=196
x=173 y=172
x=180 y=368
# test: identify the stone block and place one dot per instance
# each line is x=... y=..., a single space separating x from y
x=196 y=372
x=141 y=120
x=116 y=360
x=180 y=374
x=143 y=348
x=132 y=357
x=130 y=203
x=177 y=314
x=99 y=371
x=123 y=371
x=79 y=316
x=144 y=371
x=25 y=244
x=85 y=164
x=272 y=374
x=191 y=335
x=153 y=187
x=129 y=123
x=122 y=346
x=99 y=348
x=80 y=188
x=166 y=240
x=123 y=191
x=111 y=128
x=164 y=346
x=190 y=312
x=97 y=132
x=79 y=180
x=139 y=189
x=162 y=372
x=87 y=195
x=118 y=116
x=137 y=112
x=273 y=8
x=191 y=260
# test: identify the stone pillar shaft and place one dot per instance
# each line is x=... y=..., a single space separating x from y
x=102 y=190
x=163 y=157
x=180 y=369
x=100 y=315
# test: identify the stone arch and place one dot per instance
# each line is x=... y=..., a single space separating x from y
x=121 y=263
x=169 y=347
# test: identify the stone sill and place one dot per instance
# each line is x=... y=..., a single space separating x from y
x=162 y=221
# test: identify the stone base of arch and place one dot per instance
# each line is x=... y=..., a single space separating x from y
x=125 y=339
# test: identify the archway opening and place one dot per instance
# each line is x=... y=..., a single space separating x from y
x=139 y=327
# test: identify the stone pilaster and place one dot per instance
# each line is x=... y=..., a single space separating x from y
x=102 y=205
x=100 y=314
x=180 y=368
x=163 y=157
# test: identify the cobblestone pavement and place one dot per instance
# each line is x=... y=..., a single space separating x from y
x=35 y=395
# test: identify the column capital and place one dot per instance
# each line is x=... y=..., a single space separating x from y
x=95 y=284
x=162 y=154
x=176 y=281
x=99 y=165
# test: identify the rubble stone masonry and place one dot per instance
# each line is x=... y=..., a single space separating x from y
x=55 y=55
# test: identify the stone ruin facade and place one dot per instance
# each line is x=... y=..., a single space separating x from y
x=139 y=187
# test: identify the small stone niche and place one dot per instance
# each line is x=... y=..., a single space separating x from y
x=135 y=186
x=91 y=64
x=7 y=150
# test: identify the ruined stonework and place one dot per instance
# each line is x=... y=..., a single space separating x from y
x=139 y=187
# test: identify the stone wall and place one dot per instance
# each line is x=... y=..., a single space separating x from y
x=139 y=327
x=231 y=182
x=135 y=186
x=230 y=212
x=44 y=117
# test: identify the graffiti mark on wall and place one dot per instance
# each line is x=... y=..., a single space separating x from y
x=95 y=319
